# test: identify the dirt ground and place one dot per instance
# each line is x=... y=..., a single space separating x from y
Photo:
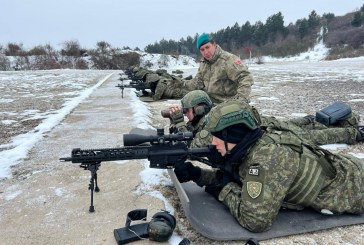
x=47 y=201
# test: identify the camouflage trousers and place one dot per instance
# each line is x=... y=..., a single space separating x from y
x=344 y=193
x=306 y=123
x=315 y=132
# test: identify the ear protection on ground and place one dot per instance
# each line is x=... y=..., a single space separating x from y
x=166 y=216
x=160 y=228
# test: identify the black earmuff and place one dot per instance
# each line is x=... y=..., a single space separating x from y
x=159 y=229
x=202 y=109
x=161 y=226
x=165 y=215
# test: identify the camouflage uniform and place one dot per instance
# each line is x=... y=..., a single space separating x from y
x=141 y=73
x=270 y=170
x=162 y=85
x=201 y=104
x=201 y=137
x=280 y=169
x=299 y=126
x=169 y=89
x=311 y=124
x=222 y=78
x=318 y=134
x=321 y=135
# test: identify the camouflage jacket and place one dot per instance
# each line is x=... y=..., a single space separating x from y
x=268 y=172
x=224 y=77
x=201 y=136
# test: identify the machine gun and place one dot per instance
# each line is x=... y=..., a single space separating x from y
x=162 y=151
x=139 y=85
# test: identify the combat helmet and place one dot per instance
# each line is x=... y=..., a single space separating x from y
x=135 y=69
x=151 y=78
x=230 y=113
x=141 y=73
x=196 y=98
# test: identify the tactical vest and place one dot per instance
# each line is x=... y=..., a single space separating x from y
x=313 y=170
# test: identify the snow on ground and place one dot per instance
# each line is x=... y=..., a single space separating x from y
x=30 y=97
x=34 y=102
x=161 y=61
x=45 y=97
x=317 y=53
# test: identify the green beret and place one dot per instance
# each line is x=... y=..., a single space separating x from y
x=203 y=39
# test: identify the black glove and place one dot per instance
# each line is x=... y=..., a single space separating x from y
x=173 y=129
x=186 y=172
x=213 y=190
x=215 y=158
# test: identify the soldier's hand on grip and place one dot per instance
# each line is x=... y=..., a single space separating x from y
x=186 y=172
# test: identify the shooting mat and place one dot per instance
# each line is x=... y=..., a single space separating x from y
x=213 y=220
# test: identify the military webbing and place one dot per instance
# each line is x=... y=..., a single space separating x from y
x=297 y=141
x=308 y=182
x=312 y=172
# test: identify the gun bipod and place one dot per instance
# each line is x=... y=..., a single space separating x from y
x=93 y=167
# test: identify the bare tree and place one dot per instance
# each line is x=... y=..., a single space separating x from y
x=13 y=49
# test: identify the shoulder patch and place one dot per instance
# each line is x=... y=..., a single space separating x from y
x=204 y=133
x=238 y=61
x=254 y=188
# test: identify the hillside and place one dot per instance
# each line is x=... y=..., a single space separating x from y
x=343 y=35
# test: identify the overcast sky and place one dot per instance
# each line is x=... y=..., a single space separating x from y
x=137 y=23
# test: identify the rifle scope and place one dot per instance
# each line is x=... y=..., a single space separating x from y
x=137 y=139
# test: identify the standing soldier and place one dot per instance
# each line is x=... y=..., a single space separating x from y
x=221 y=75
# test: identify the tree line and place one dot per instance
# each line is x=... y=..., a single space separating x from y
x=274 y=38
x=344 y=35
x=71 y=56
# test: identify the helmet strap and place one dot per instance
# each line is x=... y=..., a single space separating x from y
x=196 y=119
x=224 y=136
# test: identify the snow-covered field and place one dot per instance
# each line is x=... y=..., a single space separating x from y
x=33 y=103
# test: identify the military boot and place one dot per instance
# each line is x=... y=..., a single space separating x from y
x=360 y=135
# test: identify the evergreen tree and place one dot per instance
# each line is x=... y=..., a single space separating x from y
x=303 y=27
x=358 y=19
x=313 y=19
